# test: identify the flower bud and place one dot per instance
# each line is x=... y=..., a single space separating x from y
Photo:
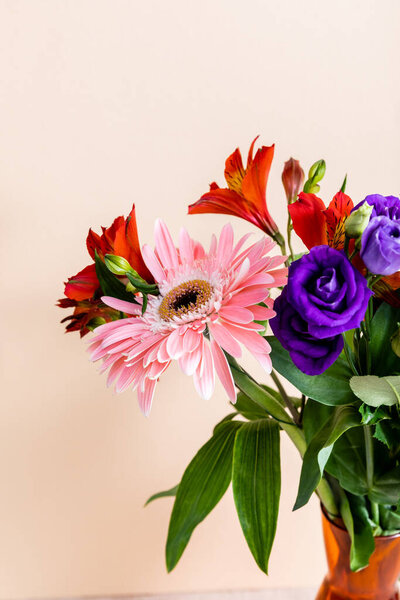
x=315 y=174
x=292 y=179
x=358 y=220
x=118 y=265
x=395 y=342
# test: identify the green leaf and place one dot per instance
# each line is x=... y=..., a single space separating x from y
x=383 y=325
x=250 y=409
x=256 y=481
x=111 y=285
x=320 y=448
x=348 y=464
x=389 y=519
x=343 y=188
x=376 y=391
x=331 y=388
x=356 y=518
x=203 y=484
x=165 y=494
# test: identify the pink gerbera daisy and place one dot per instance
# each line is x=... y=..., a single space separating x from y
x=208 y=305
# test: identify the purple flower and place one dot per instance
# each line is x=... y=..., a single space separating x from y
x=310 y=354
x=380 y=245
x=384 y=206
x=328 y=292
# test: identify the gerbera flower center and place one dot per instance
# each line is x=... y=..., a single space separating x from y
x=185 y=298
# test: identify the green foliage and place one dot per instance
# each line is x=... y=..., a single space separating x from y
x=164 y=494
x=356 y=518
x=383 y=325
x=331 y=388
x=320 y=448
x=256 y=480
x=376 y=391
x=109 y=283
x=250 y=409
x=315 y=174
x=203 y=484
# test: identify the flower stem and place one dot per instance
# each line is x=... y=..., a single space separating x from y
x=369 y=465
x=285 y=398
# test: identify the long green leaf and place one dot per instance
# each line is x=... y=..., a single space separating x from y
x=164 y=494
x=109 y=283
x=355 y=516
x=256 y=480
x=203 y=484
x=320 y=448
x=331 y=388
x=383 y=325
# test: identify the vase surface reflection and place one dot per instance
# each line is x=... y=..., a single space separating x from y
x=378 y=581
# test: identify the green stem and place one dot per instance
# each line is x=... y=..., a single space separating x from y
x=289 y=236
x=285 y=398
x=369 y=465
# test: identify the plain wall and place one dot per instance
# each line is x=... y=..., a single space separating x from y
x=108 y=102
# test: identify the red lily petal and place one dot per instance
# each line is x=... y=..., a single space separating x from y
x=336 y=214
x=83 y=285
x=126 y=244
x=225 y=202
x=94 y=242
x=234 y=171
x=308 y=219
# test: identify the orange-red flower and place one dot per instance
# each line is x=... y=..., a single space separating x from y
x=83 y=289
x=317 y=225
x=87 y=314
x=245 y=196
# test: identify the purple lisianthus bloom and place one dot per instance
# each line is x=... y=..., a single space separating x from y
x=384 y=206
x=310 y=354
x=380 y=246
x=327 y=291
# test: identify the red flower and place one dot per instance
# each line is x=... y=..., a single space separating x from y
x=292 y=179
x=83 y=289
x=87 y=314
x=245 y=196
x=317 y=225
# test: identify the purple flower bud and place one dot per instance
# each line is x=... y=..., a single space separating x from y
x=380 y=246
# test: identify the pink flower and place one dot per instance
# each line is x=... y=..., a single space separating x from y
x=208 y=304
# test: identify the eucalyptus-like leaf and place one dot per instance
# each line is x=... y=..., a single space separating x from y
x=383 y=325
x=320 y=448
x=331 y=387
x=376 y=391
x=256 y=481
x=203 y=484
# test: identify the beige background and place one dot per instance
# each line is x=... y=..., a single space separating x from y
x=103 y=103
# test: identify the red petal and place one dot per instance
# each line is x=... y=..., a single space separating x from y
x=83 y=285
x=94 y=242
x=309 y=220
x=336 y=214
x=234 y=171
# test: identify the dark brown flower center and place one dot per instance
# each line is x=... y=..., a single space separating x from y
x=185 y=298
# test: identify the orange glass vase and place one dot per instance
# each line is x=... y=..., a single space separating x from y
x=378 y=581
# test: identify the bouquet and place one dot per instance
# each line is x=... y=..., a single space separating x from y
x=326 y=320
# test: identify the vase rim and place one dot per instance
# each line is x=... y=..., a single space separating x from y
x=343 y=528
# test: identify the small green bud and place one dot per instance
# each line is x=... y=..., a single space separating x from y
x=130 y=288
x=358 y=221
x=315 y=174
x=395 y=342
x=117 y=265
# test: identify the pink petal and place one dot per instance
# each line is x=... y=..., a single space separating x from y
x=249 y=296
x=204 y=376
x=223 y=370
x=252 y=340
x=225 y=339
x=261 y=313
x=175 y=345
x=185 y=247
x=190 y=361
x=265 y=361
x=236 y=314
x=126 y=307
x=145 y=395
x=225 y=245
x=165 y=246
x=153 y=264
